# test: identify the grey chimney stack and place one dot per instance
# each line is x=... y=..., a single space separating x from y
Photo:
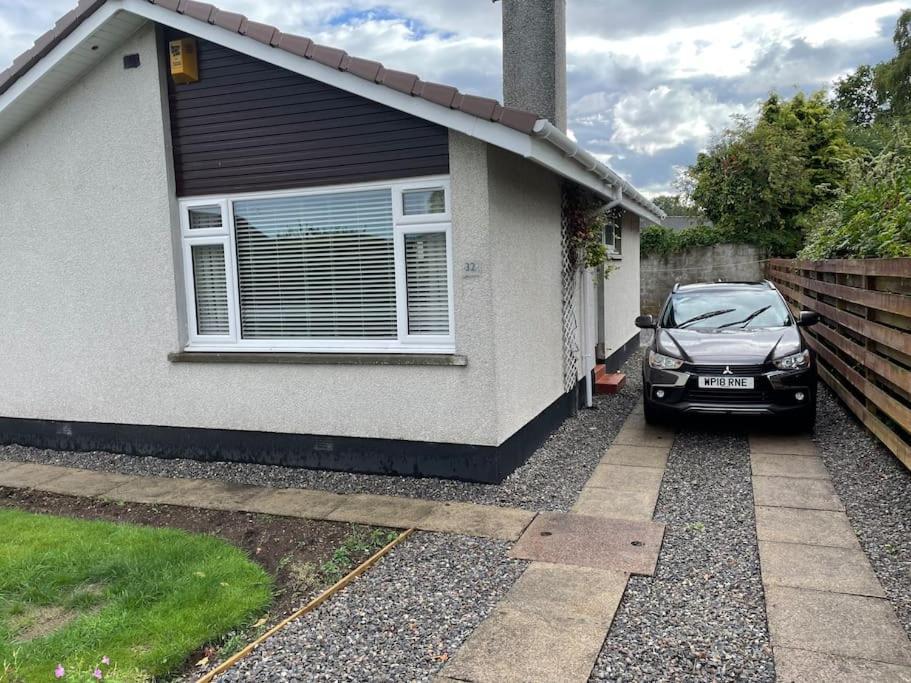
x=534 y=58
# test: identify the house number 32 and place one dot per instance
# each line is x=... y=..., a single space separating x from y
x=471 y=269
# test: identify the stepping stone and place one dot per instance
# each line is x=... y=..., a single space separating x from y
x=655 y=437
x=792 y=444
x=799 y=666
x=75 y=482
x=625 y=478
x=29 y=475
x=617 y=504
x=839 y=570
x=293 y=503
x=550 y=626
x=636 y=456
x=836 y=624
x=477 y=520
x=812 y=527
x=785 y=465
x=202 y=493
x=588 y=541
x=811 y=494
x=389 y=511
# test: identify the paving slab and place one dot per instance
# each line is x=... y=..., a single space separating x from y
x=517 y=646
x=293 y=503
x=837 y=624
x=800 y=666
x=636 y=456
x=794 y=444
x=787 y=465
x=390 y=511
x=840 y=570
x=76 y=482
x=589 y=541
x=549 y=627
x=656 y=437
x=812 y=527
x=810 y=494
x=626 y=478
x=477 y=520
x=614 y=504
x=29 y=475
x=202 y=493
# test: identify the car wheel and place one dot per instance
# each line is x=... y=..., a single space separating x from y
x=804 y=420
x=652 y=413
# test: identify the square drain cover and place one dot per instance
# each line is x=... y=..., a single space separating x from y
x=599 y=542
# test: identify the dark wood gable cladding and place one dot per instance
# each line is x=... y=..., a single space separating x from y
x=249 y=126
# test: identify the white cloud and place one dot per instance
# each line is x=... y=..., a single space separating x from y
x=666 y=117
x=857 y=25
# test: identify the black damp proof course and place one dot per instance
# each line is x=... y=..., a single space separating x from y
x=464 y=462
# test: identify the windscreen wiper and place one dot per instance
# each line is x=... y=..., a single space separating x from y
x=746 y=321
x=703 y=316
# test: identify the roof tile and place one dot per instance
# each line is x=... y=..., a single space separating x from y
x=364 y=68
x=330 y=56
x=260 y=32
x=399 y=80
x=196 y=10
x=167 y=4
x=520 y=120
x=276 y=38
x=296 y=45
x=44 y=41
x=229 y=20
x=439 y=94
x=482 y=107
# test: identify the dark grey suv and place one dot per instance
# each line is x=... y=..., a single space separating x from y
x=729 y=348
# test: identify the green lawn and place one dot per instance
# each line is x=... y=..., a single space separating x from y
x=74 y=591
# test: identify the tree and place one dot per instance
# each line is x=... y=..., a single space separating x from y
x=892 y=79
x=855 y=96
x=758 y=178
x=675 y=205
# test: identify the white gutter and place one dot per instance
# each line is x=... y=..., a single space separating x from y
x=626 y=195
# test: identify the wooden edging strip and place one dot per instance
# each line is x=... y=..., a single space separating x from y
x=309 y=607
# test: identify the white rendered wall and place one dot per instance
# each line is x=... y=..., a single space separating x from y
x=621 y=290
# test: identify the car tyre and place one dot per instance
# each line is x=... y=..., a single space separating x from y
x=652 y=412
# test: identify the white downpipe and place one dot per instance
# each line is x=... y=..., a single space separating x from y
x=588 y=358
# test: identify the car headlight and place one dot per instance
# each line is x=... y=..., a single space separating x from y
x=661 y=362
x=794 y=361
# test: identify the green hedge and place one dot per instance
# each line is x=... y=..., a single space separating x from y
x=661 y=241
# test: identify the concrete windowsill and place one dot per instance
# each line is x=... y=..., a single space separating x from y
x=284 y=358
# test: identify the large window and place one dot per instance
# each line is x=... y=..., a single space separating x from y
x=359 y=268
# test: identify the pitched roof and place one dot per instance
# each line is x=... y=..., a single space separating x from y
x=402 y=81
x=446 y=97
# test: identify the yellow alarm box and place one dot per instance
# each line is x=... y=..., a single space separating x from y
x=184 y=67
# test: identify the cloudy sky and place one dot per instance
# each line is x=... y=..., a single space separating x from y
x=649 y=83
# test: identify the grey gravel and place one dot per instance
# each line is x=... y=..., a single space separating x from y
x=399 y=622
x=702 y=616
x=876 y=490
x=550 y=480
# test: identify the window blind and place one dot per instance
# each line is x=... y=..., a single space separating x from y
x=211 y=289
x=427 y=283
x=203 y=217
x=317 y=266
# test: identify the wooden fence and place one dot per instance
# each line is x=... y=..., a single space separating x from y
x=863 y=341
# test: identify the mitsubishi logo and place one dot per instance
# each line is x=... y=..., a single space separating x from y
x=727 y=370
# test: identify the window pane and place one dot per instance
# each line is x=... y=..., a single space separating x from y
x=420 y=202
x=211 y=289
x=428 y=288
x=205 y=217
x=316 y=266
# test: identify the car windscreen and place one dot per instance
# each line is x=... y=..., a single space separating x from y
x=726 y=309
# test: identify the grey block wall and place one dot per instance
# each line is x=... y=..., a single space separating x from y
x=703 y=264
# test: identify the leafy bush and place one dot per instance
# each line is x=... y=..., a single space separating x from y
x=658 y=240
x=870 y=216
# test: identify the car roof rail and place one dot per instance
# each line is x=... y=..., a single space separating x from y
x=769 y=284
x=676 y=286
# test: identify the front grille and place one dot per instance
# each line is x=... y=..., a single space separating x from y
x=726 y=396
x=719 y=369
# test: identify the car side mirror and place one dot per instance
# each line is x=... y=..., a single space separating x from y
x=808 y=318
x=646 y=322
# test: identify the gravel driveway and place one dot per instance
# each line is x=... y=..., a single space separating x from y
x=550 y=480
x=398 y=622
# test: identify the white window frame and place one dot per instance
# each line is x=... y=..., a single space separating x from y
x=402 y=225
x=612 y=252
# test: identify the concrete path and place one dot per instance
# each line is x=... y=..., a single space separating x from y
x=403 y=513
x=553 y=622
x=828 y=616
